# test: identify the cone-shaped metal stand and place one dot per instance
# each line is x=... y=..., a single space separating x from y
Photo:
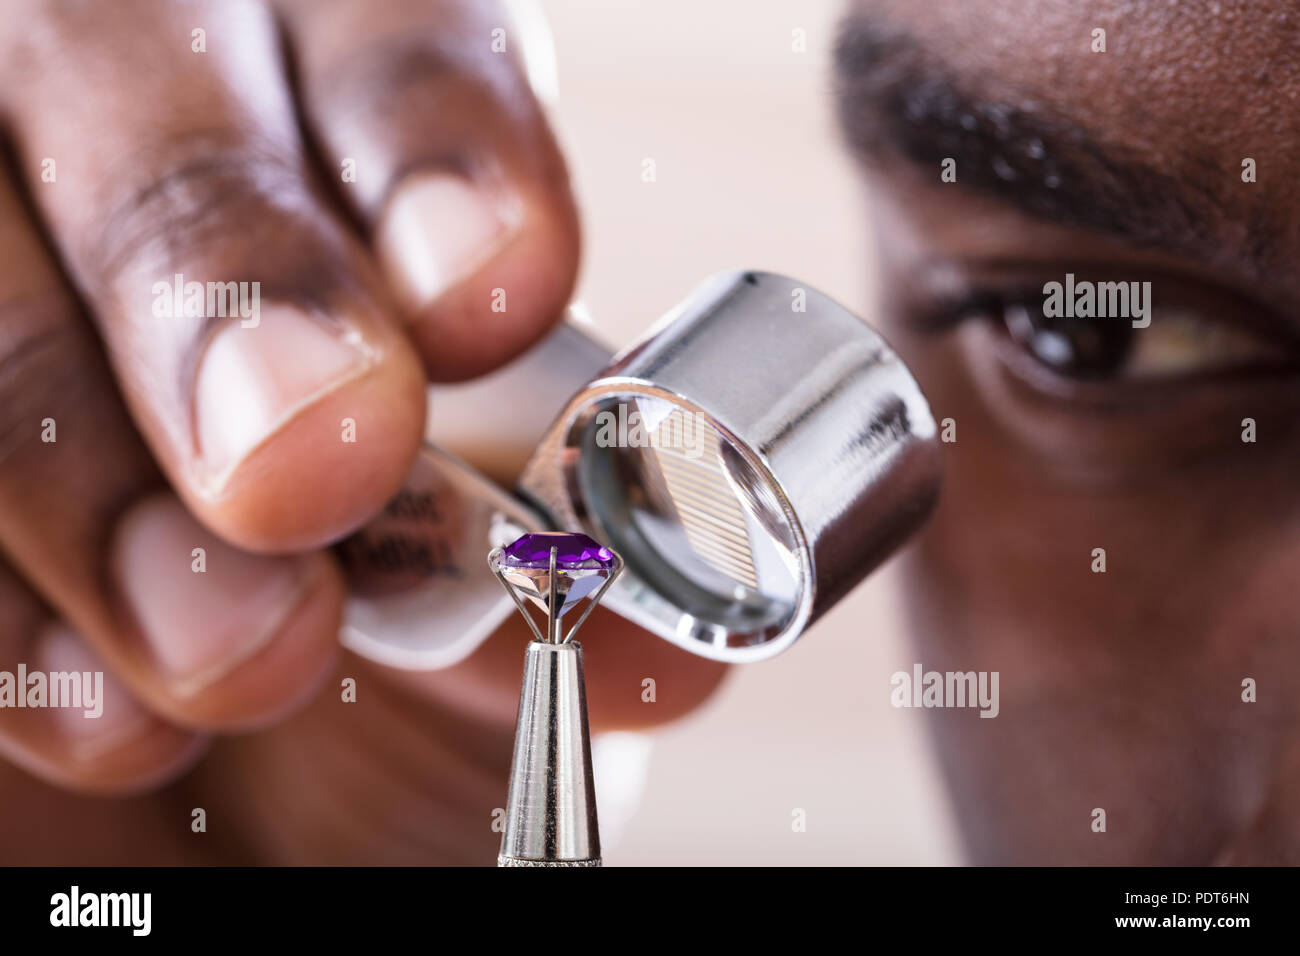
x=551 y=814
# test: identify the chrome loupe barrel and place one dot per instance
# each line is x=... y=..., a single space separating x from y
x=784 y=452
x=753 y=456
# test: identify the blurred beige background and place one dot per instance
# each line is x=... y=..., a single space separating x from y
x=749 y=174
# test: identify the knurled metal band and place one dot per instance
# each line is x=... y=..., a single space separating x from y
x=513 y=861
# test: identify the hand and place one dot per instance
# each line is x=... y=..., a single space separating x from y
x=359 y=179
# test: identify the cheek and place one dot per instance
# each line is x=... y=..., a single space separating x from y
x=1120 y=689
x=1201 y=559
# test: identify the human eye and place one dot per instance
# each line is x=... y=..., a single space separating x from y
x=1108 y=394
x=1166 y=330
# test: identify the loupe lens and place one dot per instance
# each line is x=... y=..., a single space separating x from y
x=689 y=513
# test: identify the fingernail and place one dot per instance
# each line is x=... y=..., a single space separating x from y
x=106 y=714
x=252 y=380
x=203 y=606
x=437 y=229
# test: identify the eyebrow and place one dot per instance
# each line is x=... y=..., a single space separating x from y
x=893 y=100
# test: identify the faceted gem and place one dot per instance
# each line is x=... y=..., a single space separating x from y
x=574 y=552
x=581 y=566
x=535 y=585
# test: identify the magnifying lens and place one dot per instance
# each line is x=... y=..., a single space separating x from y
x=752 y=457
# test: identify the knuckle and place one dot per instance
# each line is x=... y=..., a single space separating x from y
x=43 y=371
x=194 y=191
x=424 y=79
x=217 y=210
x=422 y=102
x=21 y=613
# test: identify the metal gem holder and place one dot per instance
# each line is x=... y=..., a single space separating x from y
x=551 y=809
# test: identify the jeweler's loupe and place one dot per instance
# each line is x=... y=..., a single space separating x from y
x=752 y=458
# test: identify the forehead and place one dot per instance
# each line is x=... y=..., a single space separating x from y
x=1164 y=118
x=1220 y=68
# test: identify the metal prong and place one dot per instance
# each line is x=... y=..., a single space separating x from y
x=595 y=597
x=553 y=617
x=523 y=608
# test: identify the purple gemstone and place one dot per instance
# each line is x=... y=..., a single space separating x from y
x=574 y=552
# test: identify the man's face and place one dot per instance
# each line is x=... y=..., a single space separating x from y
x=1167 y=157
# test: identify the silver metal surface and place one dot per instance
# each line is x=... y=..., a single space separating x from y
x=478 y=423
x=551 y=810
x=419 y=597
x=794 y=454
x=823 y=458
